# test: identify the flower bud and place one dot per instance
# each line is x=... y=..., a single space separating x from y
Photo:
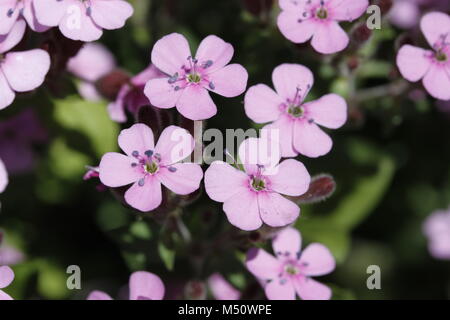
x=195 y=290
x=110 y=85
x=321 y=188
x=361 y=33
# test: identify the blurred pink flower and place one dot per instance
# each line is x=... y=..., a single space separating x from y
x=437 y=229
x=9 y=255
x=301 y=20
x=148 y=166
x=3 y=177
x=296 y=120
x=142 y=285
x=6 y=277
x=405 y=13
x=221 y=288
x=189 y=79
x=20 y=71
x=13 y=10
x=254 y=196
x=433 y=67
x=289 y=273
x=83 y=20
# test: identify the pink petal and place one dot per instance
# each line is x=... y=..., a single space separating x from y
x=50 y=13
x=437 y=82
x=88 y=91
x=174 y=144
x=29 y=14
x=25 y=71
x=138 y=138
x=434 y=25
x=309 y=289
x=262 y=104
x=6 y=276
x=99 y=295
x=7 y=95
x=317 y=260
x=3 y=177
x=288 y=78
x=116 y=111
x=310 y=140
x=6 y=23
x=151 y=72
x=147 y=197
x=11 y=39
x=291 y=179
x=348 y=10
x=161 y=93
x=413 y=62
x=255 y=152
x=279 y=290
x=329 y=38
x=285 y=127
x=439 y=247
x=294 y=28
x=111 y=14
x=146 y=286
x=196 y=104
x=77 y=25
x=222 y=181
x=242 y=211
x=116 y=170
x=185 y=180
x=276 y=210
x=214 y=49
x=329 y=111
x=4 y=296
x=291 y=5
x=288 y=241
x=221 y=289
x=230 y=81
x=404 y=14
x=262 y=265
x=171 y=53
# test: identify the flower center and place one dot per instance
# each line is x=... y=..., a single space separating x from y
x=441 y=56
x=151 y=167
x=258 y=184
x=322 y=13
x=291 y=269
x=194 y=78
x=296 y=111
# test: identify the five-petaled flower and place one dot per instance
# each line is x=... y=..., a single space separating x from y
x=290 y=272
x=147 y=166
x=301 y=20
x=189 y=79
x=296 y=120
x=6 y=277
x=433 y=66
x=254 y=196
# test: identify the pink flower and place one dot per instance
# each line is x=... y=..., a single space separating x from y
x=3 y=177
x=143 y=286
x=301 y=20
x=405 y=13
x=222 y=289
x=148 y=166
x=20 y=71
x=189 y=79
x=432 y=66
x=83 y=20
x=253 y=197
x=6 y=277
x=296 y=120
x=290 y=272
x=9 y=255
x=437 y=229
x=13 y=10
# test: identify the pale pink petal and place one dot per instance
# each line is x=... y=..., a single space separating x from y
x=6 y=276
x=222 y=289
x=161 y=93
x=146 y=197
x=309 y=289
x=242 y=211
x=174 y=144
x=287 y=243
x=146 y=286
x=434 y=25
x=262 y=265
x=230 y=81
x=329 y=111
x=151 y=72
x=285 y=127
x=280 y=290
x=404 y=14
x=110 y=14
x=264 y=151
x=289 y=78
x=276 y=210
x=413 y=62
x=138 y=138
x=439 y=247
x=294 y=27
x=7 y=95
x=214 y=49
x=116 y=111
x=329 y=38
x=262 y=104
x=11 y=39
x=291 y=179
x=196 y=104
x=5 y=296
x=437 y=82
x=25 y=71
x=310 y=140
x=185 y=180
x=347 y=10
x=77 y=25
x=29 y=14
x=171 y=53
x=291 y=5
x=6 y=21
x=116 y=170
x=99 y=295
x=317 y=260
x=222 y=181
x=88 y=91
x=50 y=13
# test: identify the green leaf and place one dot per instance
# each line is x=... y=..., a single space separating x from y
x=167 y=255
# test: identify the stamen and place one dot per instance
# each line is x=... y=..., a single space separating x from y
x=149 y=153
x=141 y=182
x=207 y=64
x=172 y=169
x=212 y=86
x=135 y=154
x=173 y=78
x=134 y=164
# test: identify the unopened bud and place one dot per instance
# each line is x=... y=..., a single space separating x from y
x=195 y=290
x=361 y=33
x=110 y=85
x=321 y=188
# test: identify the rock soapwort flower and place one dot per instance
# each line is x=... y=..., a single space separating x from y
x=437 y=229
x=6 y=277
